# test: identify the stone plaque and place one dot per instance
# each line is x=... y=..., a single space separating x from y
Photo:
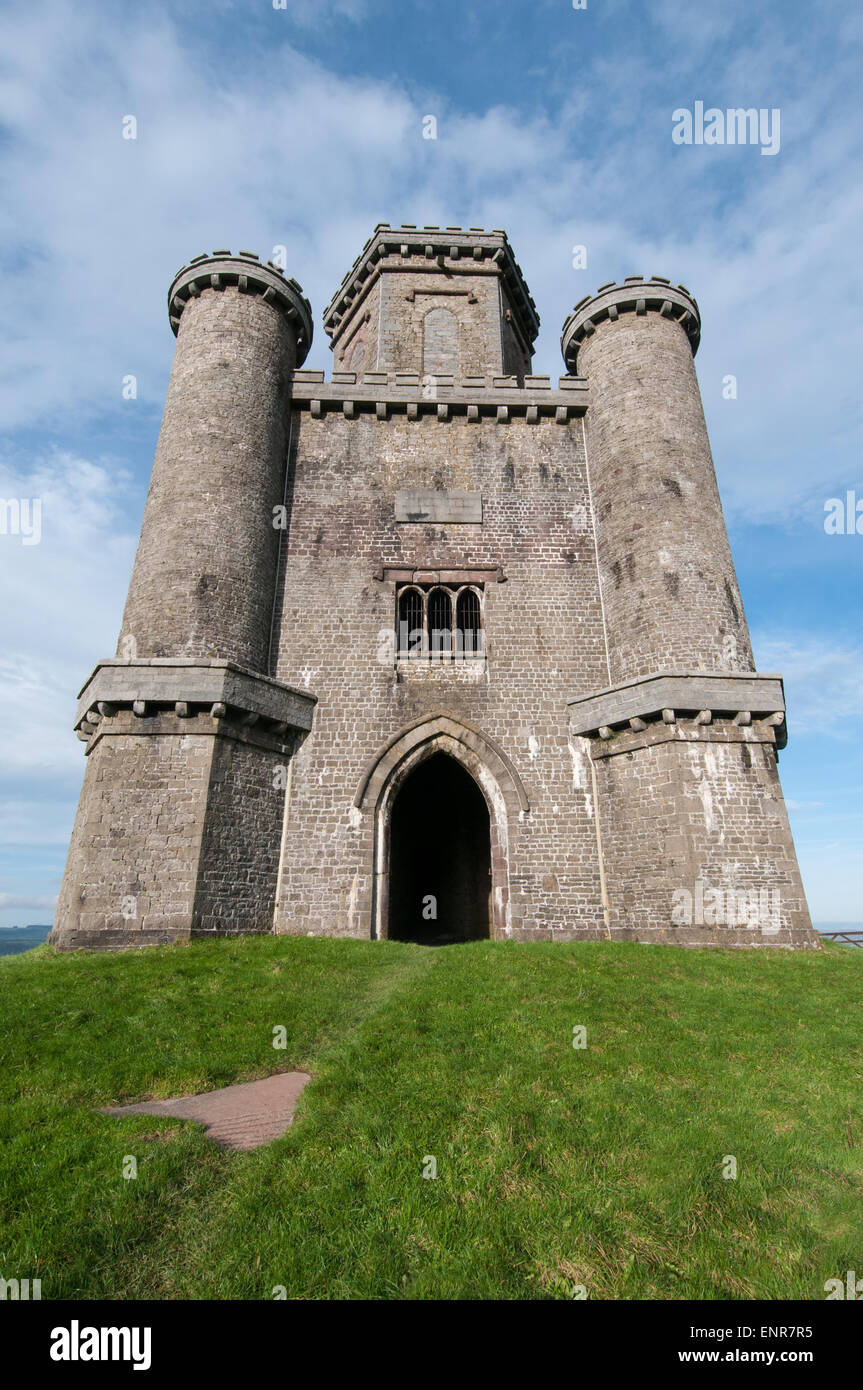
x=414 y=505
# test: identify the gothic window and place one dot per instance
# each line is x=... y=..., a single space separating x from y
x=411 y=625
x=468 y=623
x=439 y=622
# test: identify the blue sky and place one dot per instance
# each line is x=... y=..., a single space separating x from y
x=303 y=127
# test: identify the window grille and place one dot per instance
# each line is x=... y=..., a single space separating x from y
x=435 y=621
x=439 y=621
x=411 y=634
x=469 y=623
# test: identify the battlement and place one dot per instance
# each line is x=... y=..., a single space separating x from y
x=636 y=296
x=444 y=246
x=383 y=393
x=251 y=276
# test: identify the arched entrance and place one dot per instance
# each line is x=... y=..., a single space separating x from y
x=440 y=856
x=486 y=765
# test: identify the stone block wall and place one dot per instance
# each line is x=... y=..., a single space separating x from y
x=202 y=583
x=356 y=348
x=543 y=639
x=378 y=320
x=132 y=868
x=241 y=843
x=668 y=580
x=178 y=833
x=697 y=850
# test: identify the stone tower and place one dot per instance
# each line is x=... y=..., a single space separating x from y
x=178 y=810
x=432 y=650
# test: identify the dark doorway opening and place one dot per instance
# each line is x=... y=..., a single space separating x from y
x=440 y=856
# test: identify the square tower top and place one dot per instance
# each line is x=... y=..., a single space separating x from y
x=434 y=300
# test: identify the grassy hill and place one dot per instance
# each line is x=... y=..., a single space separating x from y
x=556 y=1166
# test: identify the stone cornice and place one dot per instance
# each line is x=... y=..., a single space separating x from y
x=697 y=695
x=654 y=731
x=188 y=687
x=636 y=296
x=251 y=276
x=179 y=721
x=383 y=393
x=461 y=250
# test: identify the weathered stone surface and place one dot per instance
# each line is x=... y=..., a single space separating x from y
x=669 y=590
x=434 y=300
x=544 y=644
x=681 y=812
x=202 y=583
x=177 y=832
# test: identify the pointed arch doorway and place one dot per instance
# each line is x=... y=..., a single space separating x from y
x=486 y=765
x=439 y=889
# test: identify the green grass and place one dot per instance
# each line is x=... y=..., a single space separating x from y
x=556 y=1166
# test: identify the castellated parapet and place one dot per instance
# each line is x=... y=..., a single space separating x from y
x=435 y=649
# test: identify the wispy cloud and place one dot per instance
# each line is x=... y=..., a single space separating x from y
x=823 y=681
x=62 y=599
x=28 y=900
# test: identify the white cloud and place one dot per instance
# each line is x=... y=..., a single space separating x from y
x=311 y=14
x=34 y=900
x=63 y=601
x=823 y=681
x=106 y=221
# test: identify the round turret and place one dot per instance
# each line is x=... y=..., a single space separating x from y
x=204 y=573
x=669 y=590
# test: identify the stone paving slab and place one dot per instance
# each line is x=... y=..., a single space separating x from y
x=237 y=1117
